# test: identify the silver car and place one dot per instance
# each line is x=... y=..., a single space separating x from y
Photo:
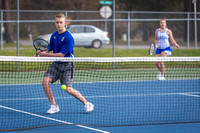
x=85 y=36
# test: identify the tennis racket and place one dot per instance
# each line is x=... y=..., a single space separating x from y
x=40 y=44
x=152 y=49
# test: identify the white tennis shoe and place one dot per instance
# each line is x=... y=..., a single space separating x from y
x=160 y=76
x=53 y=109
x=89 y=107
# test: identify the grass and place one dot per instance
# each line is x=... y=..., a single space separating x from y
x=10 y=50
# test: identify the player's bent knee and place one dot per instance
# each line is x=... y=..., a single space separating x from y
x=70 y=90
x=157 y=63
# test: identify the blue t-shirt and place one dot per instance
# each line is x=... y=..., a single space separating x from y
x=62 y=43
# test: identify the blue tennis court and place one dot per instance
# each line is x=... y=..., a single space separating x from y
x=125 y=92
x=132 y=103
x=166 y=128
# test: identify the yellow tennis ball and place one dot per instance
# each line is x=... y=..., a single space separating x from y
x=63 y=87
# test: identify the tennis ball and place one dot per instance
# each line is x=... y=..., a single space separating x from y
x=63 y=87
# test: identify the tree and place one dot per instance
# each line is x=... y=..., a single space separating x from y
x=8 y=26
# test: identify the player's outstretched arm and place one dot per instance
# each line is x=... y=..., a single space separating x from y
x=156 y=39
x=172 y=39
x=46 y=54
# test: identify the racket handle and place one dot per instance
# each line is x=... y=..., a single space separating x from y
x=37 y=55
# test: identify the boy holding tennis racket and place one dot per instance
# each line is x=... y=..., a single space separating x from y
x=161 y=41
x=62 y=44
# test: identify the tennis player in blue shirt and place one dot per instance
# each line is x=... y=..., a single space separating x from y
x=162 y=37
x=62 y=44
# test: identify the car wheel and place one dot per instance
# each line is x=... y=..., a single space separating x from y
x=96 y=44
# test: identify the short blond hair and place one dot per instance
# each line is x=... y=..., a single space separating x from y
x=60 y=15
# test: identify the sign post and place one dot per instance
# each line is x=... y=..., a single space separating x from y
x=105 y=2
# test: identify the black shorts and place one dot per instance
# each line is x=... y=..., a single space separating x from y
x=63 y=71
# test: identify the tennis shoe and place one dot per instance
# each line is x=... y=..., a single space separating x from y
x=53 y=109
x=161 y=77
x=89 y=107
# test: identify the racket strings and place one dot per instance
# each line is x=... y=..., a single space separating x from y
x=40 y=44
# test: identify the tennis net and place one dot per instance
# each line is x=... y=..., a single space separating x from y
x=124 y=91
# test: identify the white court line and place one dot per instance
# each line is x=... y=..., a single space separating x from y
x=191 y=95
x=103 y=82
x=65 y=122
x=104 y=96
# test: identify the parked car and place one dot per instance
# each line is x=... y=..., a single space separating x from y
x=85 y=36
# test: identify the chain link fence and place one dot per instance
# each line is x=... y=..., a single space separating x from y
x=133 y=29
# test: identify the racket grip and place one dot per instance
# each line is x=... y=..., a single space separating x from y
x=37 y=55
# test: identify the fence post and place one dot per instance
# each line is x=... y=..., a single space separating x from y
x=113 y=49
x=18 y=33
x=113 y=28
x=195 y=21
x=188 y=30
x=128 y=30
x=1 y=29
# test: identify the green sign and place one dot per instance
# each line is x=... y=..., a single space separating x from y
x=105 y=2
